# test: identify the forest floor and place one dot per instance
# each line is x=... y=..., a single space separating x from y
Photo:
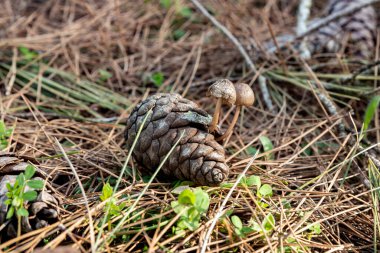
x=72 y=71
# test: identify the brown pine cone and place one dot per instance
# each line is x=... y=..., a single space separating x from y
x=42 y=211
x=198 y=157
x=358 y=29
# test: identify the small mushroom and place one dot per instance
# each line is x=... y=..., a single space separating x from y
x=224 y=91
x=244 y=97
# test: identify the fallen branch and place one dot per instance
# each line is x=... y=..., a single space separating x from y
x=251 y=65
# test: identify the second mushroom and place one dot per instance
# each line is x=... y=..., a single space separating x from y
x=244 y=97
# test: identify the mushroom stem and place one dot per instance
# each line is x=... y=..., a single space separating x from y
x=231 y=126
x=215 y=117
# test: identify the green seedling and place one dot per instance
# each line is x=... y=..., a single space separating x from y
x=267 y=225
x=180 y=9
x=27 y=53
x=240 y=230
x=111 y=206
x=104 y=75
x=18 y=196
x=5 y=133
x=157 y=79
x=267 y=146
x=192 y=204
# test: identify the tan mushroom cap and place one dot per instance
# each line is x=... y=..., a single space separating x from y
x=223 y=89
x=244 y=95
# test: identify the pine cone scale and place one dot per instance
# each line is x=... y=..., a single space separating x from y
x=198 y=157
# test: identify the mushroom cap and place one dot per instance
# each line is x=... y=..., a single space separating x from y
x=244 y=95
x=223 y=89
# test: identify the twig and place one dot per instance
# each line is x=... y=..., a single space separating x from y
x=325 y=21
x=221 y=208
x=251 y=65
x=90 y=221
x=302 y=17
x=364 y=69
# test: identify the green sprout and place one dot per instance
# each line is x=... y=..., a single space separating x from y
x=17 y=194
x=5 y=133
x=192 y=204
x=111 y=205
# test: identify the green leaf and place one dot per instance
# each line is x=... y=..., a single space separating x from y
x=237 y=222
x=29 y=195
x=35 y=184
x=10 y=212
x=286 y=204
x=370 y=112
x=266 y=190
x=104 y=74
x=186 y=12
x=267 y=145
x=254 y=181
x=157 y=78
x=16 y=202
x=9 y=186
x=186 y=197
x=255 y=226
x=2 y=128
x=8 y=132
x=269 y=222
x=27 y=53
x=180 y=189
x=29 y=171
x=202 y=200
x=316 y=229
x=20 y=180
x=22 y=212
x=226 y=185
x=251 y=150
x=178 y=208
x=179 y=33
x=166 y=3
x=247 y=230
x=106 y=192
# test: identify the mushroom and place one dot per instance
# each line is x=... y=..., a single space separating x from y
x=244 y=97
x=225 y=93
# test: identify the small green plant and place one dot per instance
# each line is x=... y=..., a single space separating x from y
x=157 y=79
x=17 y=196
x=104 y=75
x=267 y=145
x=264 y=190
x=181 y=10
x=5 y=133
x=192 y=204
x=240 y=230
x=27 y=53
x=267 y=225
x=111 y=206
x=294 y=246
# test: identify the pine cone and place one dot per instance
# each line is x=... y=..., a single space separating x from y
x=198 y=157
x=42 y=211
x=359 y=28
